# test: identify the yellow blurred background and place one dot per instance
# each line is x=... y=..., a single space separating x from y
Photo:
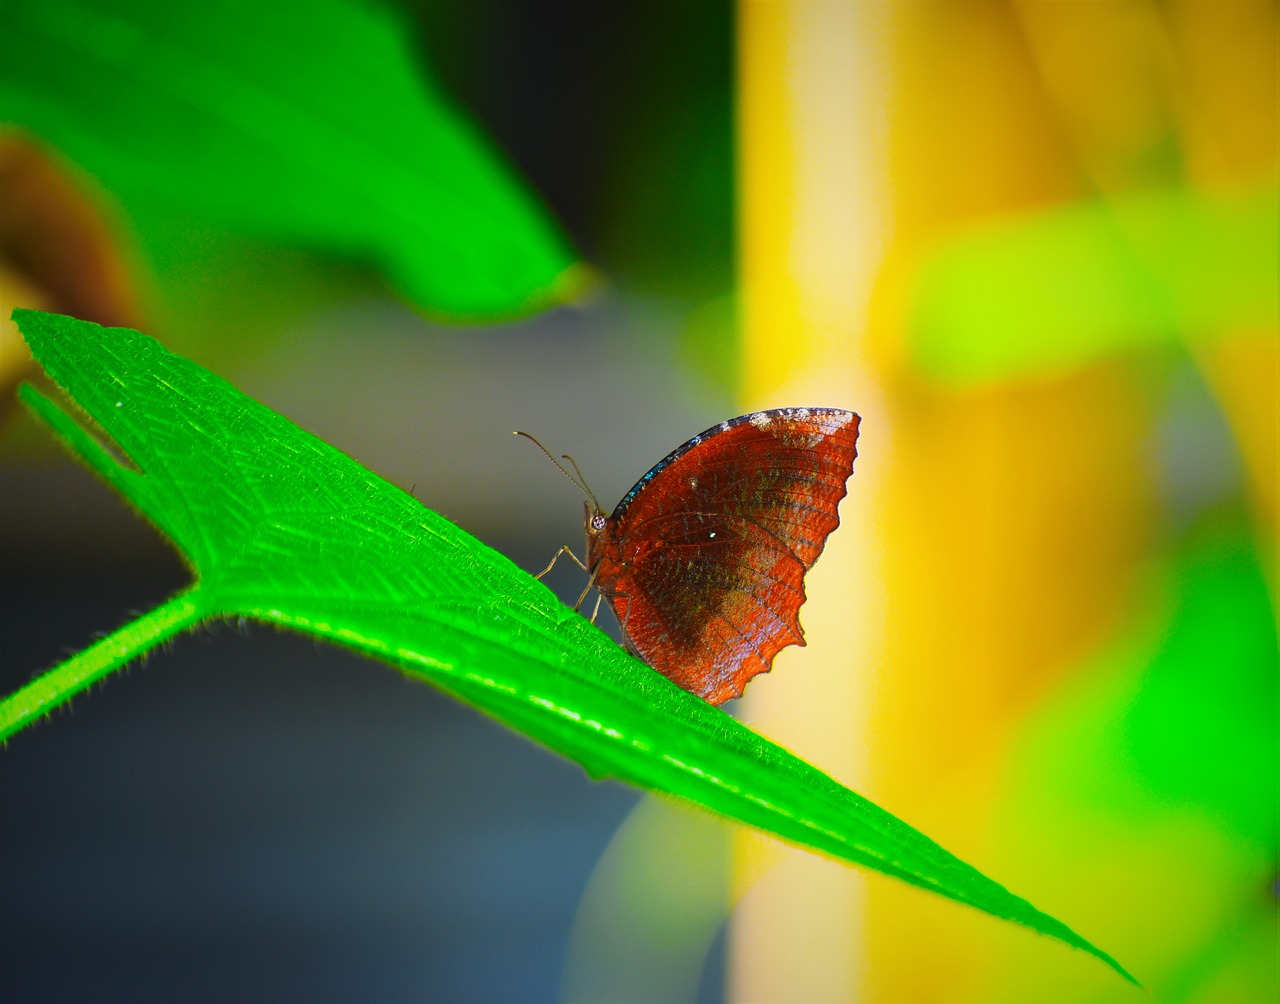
x=1016 y=233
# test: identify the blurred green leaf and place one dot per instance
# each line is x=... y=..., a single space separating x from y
x=1155 y=766
x=281 y=527
x=1202 y=730
x=1069 y=286
x=306 y=123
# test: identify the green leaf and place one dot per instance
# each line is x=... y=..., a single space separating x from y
x=281 y=527
x=1218 y=686
x=308 y=123
x=1075 y=284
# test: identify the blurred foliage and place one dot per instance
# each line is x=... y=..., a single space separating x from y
x=1203 y=729
x=1073 y=284
x=638 y=158
x=56 y=240
x=311 y=125
x=621 y=114
x=1154 y=768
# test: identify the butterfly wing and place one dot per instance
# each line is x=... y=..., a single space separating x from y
x=708 y=551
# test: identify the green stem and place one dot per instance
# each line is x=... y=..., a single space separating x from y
x=41 y=696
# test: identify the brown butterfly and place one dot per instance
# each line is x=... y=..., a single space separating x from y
x=703 y=560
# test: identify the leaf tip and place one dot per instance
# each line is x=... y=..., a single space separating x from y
x=578 y=284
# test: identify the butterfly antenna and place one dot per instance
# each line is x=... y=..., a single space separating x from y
x=578 y=482
x=583 y=481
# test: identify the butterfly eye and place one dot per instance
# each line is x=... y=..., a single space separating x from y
x=597 y=522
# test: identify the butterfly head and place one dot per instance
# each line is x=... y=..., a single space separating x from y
x=595 y=523
x=594 y=519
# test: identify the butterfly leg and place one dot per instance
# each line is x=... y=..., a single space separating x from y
x=591 y=581
x=627 y=617
x=556 y=557
x=599 y=597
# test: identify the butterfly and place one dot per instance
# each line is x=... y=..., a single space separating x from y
x=703 y=560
